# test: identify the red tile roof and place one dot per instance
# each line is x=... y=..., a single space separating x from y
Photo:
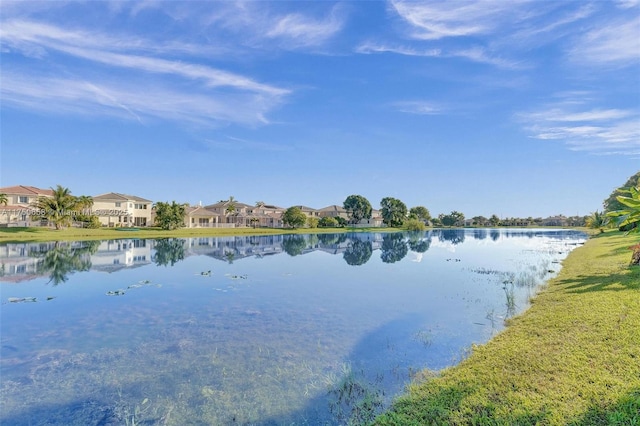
x=25 y=190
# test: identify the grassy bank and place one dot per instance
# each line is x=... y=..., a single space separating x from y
x=35 y=234
x=572 y=358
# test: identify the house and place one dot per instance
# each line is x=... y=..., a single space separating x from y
x=559 y=220
x=234 y=213
x=375 y=221
x=309 y=211
x=115 y=210
x=19 y=206
x=334 y=211
x=202 y=217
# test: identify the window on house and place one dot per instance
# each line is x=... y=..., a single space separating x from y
x=23 y=199
x=118 y=204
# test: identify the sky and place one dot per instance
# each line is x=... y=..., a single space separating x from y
x=514 y=108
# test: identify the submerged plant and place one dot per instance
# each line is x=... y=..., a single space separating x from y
x=354 y=401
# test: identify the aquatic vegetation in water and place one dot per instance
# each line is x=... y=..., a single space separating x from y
x=353 y=401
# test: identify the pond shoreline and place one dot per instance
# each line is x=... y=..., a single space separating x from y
x=571 y=358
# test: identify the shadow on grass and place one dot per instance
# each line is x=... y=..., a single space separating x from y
x=628 y=279
x=625 y=412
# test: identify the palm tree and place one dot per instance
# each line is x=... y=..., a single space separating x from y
x=58 y=208
x=85 y=202
x=4 y=200
x=231 y=205
x=597 y=220
x=628 y=218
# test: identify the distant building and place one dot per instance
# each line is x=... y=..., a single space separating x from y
x=19 y=206
x=116 y=210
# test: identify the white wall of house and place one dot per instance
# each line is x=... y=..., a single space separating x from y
x=122 y=211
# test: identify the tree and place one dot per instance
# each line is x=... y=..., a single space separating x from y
x=454 y=218
x=494 y=220
x=231 y=205
x=629 y=217
x=597 y=220
x=328 y=222
x=169 y=216
x=612 y=203
x=419 y=212
x=312 y=222
x=294 y=217
x=4 y=200
x=415 y=225
x=59 y=208
x=479 y=220
x=394 y=211
x=357 y=207
x=87 y=219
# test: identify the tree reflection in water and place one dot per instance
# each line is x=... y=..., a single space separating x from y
x=169 y=251
x=293 y=245
x=418 y=243
x=394 y=248
x=65 y=259
x=358 y=253
x=454 y=236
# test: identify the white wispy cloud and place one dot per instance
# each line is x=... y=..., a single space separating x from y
x=614 y=43
x=600 y=131
x=436 y=20
x=257 y=25
x=475 y=54
x=419 y=107
x=494 y=32
x=372 y=47
x=132 y=100
x=298 y=30
x=234 y=143
x=208 y=94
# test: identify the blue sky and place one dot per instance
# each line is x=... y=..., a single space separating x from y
x=514 y=108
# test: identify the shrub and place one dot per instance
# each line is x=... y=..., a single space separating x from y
x=328 y=222
x=415 y=225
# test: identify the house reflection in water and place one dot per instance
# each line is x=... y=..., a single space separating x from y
x=25 y=261
x=114 y=255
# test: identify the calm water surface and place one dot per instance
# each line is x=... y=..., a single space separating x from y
x=269 y=330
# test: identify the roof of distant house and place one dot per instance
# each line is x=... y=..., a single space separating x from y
x=25 y=190
x=119 y=197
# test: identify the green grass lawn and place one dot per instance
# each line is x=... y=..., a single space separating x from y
x=572 y=358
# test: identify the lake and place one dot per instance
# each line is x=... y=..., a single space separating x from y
x=260 y=330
